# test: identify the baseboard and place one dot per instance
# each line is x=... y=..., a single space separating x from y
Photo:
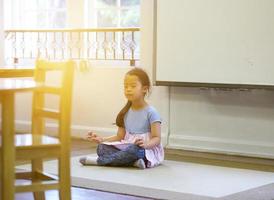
x=222 y=146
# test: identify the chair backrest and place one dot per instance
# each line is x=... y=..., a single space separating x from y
x=13 y=72
x=64 y=90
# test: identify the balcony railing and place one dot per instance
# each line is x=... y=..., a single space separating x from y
x=92 y=44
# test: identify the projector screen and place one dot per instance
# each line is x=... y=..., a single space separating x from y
x=226 y=43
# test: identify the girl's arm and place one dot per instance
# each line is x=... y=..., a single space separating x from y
x=155 y=138
x=93 y=137
x=120 y=135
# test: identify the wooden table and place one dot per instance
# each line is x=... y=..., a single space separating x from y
x=16 y=71
x=8 y=88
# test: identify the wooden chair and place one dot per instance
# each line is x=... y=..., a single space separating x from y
x=38 y=146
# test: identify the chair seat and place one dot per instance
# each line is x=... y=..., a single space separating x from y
x=30 y=146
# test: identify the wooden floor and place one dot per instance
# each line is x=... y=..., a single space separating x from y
x=83 y=194
x=82 y=147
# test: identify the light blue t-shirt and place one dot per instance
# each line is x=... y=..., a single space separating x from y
x=139 y=121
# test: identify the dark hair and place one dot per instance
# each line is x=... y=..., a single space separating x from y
x=144 y=79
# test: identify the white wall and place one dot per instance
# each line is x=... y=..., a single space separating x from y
x=1 y=32
x=97 y=98
x=233 y=122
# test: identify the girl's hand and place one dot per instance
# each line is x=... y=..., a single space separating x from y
x=140 y=142
x=93 y=137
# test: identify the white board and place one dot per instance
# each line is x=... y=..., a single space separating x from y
x=202 y=42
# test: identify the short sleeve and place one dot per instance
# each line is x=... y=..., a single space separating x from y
x=153 y=116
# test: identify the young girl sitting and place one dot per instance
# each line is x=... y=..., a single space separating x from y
x=138 y=140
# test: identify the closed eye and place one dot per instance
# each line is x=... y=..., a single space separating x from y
x=132 y=86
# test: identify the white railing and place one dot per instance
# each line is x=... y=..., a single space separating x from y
x=91 y=44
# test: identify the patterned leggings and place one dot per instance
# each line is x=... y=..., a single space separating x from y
x=111 y=156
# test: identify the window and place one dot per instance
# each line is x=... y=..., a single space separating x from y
x=31 y=14
x=113 y=13
x=35 y=14
x=112 y=44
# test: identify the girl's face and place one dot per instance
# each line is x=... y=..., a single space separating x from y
x=133 y=88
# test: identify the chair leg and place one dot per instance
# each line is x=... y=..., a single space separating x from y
x=37 y=165
x=39 y=195
x=64 y=177
x=1 y=185
x=7 y=150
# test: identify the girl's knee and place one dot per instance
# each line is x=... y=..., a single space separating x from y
x=100 y=148
x=133 y=147
x=136 y=150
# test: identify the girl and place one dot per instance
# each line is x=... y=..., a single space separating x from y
x=138 y=140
